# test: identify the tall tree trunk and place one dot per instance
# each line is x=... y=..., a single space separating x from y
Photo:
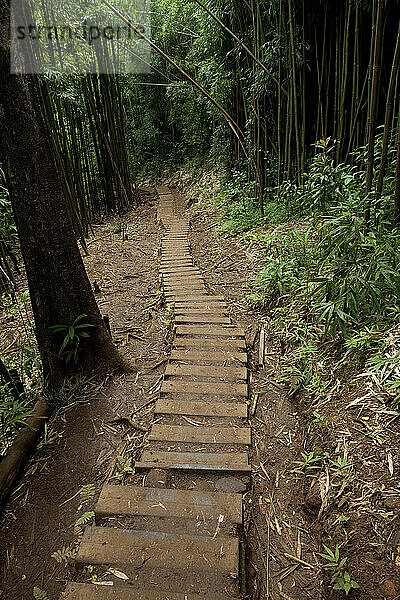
x=59 y=287
x=372 y=110
x=388 y=115
x=397 y=179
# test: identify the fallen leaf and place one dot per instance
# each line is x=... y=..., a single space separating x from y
x=118 y=574
x=390 y=463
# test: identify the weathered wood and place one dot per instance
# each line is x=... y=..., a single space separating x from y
x=145 y=501
x=201 y=319
x=110 y=546
x=209 y=355
x=88 y=591
x=200 y=435
x=211 y=310
x=194 y=461
x=197 y=343
x=173 y=406
x=15 y=459
x=208 y=299
x=223 y=331
x=222 y=373
x=217 y=388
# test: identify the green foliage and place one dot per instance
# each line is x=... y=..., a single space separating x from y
x=351 y=276
x=87 y=493
x=65 y=554
x=39 y=594
x=74 y=334
x=124 y=464
x=310 y=463
x=85 y=518
x=340 y=578
x=14 y=413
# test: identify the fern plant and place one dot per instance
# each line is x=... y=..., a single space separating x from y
x=87 y=493
x=39 y=594
x=85 y=518
x=66 y=553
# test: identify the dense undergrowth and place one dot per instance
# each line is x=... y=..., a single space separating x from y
x=325 y=279
x=327 y=292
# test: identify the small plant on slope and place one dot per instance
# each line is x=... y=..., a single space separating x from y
x=39 y=594
x=340 y=578
x=74 y=334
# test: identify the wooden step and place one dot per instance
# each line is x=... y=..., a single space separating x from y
x=185 y=295
x=169 y=406
x=200 y=435
x=132 y=500
x=176 y=262
x=221 y=462
x=208 y=299
x=180 y=271
x=190 y=286
x=159 y=550
x=89 y=591
x=222 y=373
x=209 y=356
x=216 y=310
x=202 y=319
x=223 y=331
x=181 y=277
x=233 y=390
x=209 y=343
x=202 y=306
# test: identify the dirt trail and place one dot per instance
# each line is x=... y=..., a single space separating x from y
x=177 y=534
x=176 y=530
x=81 y=447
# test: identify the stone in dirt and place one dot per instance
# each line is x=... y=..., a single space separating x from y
x=157 y=478
x=230 y=484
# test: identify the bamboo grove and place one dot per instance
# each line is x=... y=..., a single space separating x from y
x=289 y=73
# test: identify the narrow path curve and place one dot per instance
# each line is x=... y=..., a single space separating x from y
x=178 y=537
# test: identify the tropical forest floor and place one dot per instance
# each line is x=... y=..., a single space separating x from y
x=92 y=438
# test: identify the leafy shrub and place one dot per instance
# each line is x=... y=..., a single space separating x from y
x=13 y=415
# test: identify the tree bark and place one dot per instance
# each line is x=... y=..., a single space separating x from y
x=59 y=287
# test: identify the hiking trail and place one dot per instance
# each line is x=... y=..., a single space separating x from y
x=178 y=536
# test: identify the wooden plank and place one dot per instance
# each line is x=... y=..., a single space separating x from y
x=110 y=546
x=209 y=355
x=196 y=343
x=225 y=331
x=180 y=288
x=182 y=279
x=210 y=299
x=167 y=406
x=222 y=373
x=203 y=319
x=182 y=276
x=179 y=271
x=217 y=388
x=200 y=435
x=186 y=295
x=88 y=591
x=201 y=310
x=176 y=262
x=187 y=283
x=195 y=461
x=168 y=503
